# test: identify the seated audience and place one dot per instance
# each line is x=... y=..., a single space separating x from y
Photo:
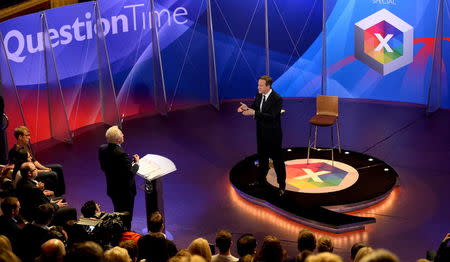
x=200 y=246
x=88 y=251
x=246 y=258
x=380 y=255
x=156 y=224
x=223 y=243
x=10 y=221
x=301 y=257
x=22 y=135
x=117 y=254
x=52 y=251
x=270 y=251
x=30 y=195
x=153 y=248
x=246 y=245
x=355 y=248
x=35 y=234
x=325 y=244
x=324 y=257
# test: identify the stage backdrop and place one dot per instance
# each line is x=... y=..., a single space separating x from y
x=401 y=31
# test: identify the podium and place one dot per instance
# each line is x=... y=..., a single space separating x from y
x=152 y=168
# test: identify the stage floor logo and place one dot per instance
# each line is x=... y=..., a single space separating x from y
x=319 y=176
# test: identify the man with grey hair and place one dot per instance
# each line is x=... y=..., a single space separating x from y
x=52 y=251
x=119 y=170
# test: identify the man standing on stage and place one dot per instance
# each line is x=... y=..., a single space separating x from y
x=266 y=110
x=119 y=171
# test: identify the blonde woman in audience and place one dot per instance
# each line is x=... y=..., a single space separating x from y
x=324 y=257
x=325 y=244
x=200 y=246
x=380 y=255
x=117 y=254
x=5 y=244
x=362 y=252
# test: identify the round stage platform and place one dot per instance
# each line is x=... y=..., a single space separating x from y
x=319 y=191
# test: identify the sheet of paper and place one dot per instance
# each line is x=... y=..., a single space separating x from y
x=155 y=166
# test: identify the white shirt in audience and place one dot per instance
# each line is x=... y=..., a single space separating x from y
x=222 y=258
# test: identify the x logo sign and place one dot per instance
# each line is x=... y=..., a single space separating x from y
x=384 y=42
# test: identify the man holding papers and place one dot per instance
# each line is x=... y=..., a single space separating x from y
x=119 y=171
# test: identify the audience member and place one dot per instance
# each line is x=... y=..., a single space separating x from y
x=52 y=251
x=30 y=195
x=246 y=245
x=223 y=243
x=35 y=234
x=302 y=256
x=53 y=171
x=355 y=248
x=443 y=253
x=153 y=248
x=117 y=254
x=9 y=221
x=131 y=247
x=8 y=256
x=91 y=209
x=423 y=260
x=270 y=251
x=197 y=258
x=306 y=240
x=88 y=251
x=200 y=246
x=380 y=255
x=362 y=253
x=325 y=244
x=246 y=258
x=324 y=257
x=5 y=244
x=156 y=224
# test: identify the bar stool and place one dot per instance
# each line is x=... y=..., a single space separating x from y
x=326 y=115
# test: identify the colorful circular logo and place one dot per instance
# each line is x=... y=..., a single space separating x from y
x=319 y=176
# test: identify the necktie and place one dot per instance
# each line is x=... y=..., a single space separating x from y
x=262 y=102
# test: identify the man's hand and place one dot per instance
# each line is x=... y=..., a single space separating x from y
x=40 y=185
x=447 y=238
x=49 y=193
x=243 y=107
x=249 y=112
x=60 y=203
x=136 y=158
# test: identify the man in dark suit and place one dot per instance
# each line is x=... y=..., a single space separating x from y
x=119 y=171
x=10 y=221
x=266 y=110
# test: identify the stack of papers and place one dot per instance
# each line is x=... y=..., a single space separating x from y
x=154 y=166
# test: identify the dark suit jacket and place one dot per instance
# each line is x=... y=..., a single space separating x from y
x=30 y=197
x=268 y=122
x=11 y=230
x=30 y=241
x=119 y=170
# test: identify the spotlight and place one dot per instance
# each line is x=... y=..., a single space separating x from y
x=386 y=169
x=346 y=152
x=370 y=159
x=289 y=150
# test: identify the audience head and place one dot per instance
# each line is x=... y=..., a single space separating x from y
x=22 y=134
x=324 y=257
x=355 y=248
x=10 y=206
x=223 y=241
x=88 y=251
x=302 y=256
x=422 y=260
x=246 y=245
x=200 y=246
x=153 y=247
x=29 y=170
x=380 y=255
x=114 y=135
x=364 y=251
x=52 y=251
x=246 y=258
x=117 y=254
x=197 y=258
x=156 y=222
x=325 y=244
x=271 y=250
x=131 y=247
x=8 y=256
x=89 y=209
x=5 y=244
x=306 y=240
x=44 y=214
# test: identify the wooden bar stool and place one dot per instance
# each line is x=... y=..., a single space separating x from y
x=326 y=115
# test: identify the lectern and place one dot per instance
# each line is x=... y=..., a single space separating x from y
x=152 y=168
